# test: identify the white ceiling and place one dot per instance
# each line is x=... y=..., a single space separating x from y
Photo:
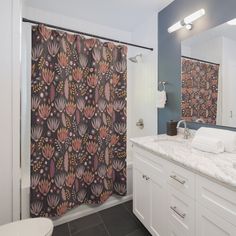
x=119 y=14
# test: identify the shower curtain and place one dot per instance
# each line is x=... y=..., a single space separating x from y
x=199 y=90
x=78 y=121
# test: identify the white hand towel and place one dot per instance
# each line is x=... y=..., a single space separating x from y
x=227 y=137
x=161 y=99
x=208 y=144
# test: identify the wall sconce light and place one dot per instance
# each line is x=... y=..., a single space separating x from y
x=232 y=22
x=187 y=22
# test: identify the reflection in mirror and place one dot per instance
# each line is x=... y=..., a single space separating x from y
x=208 y=76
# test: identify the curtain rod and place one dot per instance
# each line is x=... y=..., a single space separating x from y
x=192 y=58
x=86 y=34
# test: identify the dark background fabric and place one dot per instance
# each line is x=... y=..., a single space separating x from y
x=199 y=90
x=78 y=120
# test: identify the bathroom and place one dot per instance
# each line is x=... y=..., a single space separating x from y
x=91 y=180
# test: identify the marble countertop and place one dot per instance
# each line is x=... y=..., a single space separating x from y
x=220 y=167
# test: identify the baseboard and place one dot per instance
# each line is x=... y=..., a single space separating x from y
x=85 y=210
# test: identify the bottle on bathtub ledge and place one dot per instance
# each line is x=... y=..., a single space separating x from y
x=171 y=129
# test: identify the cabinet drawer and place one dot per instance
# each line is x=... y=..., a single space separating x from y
x=217 y=198
x=209 y=223
x=182 y=180
x=181 y=213
x=154 y=170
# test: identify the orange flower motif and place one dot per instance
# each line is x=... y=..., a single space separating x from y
x=103 y=132
x=103 y=67
x=104 y=196
x=63 y=59
x=44 y=186
x=115 y=79
x=110 y=172
x=89 y=112
x=70 y=108
x=48 y=76
x=44 y=111
x=70 y=179
x=110 y=109
x=114 y=139
x=92 y=80
x=88 y=177
x=45 y=32
x=70 y=38
x=76 y=144
x=77 y=74
x=89 y=43
x=110 y=45
x=62 y=135
x=32 y=148
x=62 y=208
x=48 y=151
x=92 y=147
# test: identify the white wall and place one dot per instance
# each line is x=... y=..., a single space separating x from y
x=9 y=107
x=209 y=50
x=6 y=112
x=144 y=75
x=228 y=82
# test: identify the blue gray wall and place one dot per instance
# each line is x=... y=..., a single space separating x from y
x=169 y=47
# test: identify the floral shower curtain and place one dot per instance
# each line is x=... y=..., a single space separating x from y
x=199 y=90
x=78 y=121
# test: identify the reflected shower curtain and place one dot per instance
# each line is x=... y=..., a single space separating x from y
x=199 y=90
x=78 y=121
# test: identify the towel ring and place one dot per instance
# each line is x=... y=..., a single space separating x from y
x=163 y=83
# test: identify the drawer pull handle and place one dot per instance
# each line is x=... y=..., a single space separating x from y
x=174 y=177
x=182 y=215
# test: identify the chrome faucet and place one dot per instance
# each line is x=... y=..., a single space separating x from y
x=186 y=130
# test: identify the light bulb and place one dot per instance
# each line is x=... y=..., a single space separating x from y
x=232 y=22
x=175 y=27
x=189 y=19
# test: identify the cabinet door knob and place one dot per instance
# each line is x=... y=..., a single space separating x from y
x=144 y=176
x=147 y=178
x=175 y=209
x=174 y=177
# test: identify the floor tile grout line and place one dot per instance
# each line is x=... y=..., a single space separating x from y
x=87 y=227
x=108 y=233
x=126 y=208
x=104 y=224
x=68 y=225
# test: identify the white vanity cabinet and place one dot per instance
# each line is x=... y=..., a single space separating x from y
x=149 y=193
x=173 y=201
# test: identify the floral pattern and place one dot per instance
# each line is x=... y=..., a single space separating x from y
x=199 y=90
x=78 y=119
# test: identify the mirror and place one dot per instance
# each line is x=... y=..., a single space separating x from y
x=208 y=76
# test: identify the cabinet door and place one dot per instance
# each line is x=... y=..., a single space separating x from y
x=140 y=196
x=158 y=207
x=208 y=223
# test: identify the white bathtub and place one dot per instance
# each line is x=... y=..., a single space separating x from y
x=82 y=210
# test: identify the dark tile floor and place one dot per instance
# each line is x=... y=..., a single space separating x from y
x=115 y=221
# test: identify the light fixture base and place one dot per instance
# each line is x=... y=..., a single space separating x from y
x=189 y=26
